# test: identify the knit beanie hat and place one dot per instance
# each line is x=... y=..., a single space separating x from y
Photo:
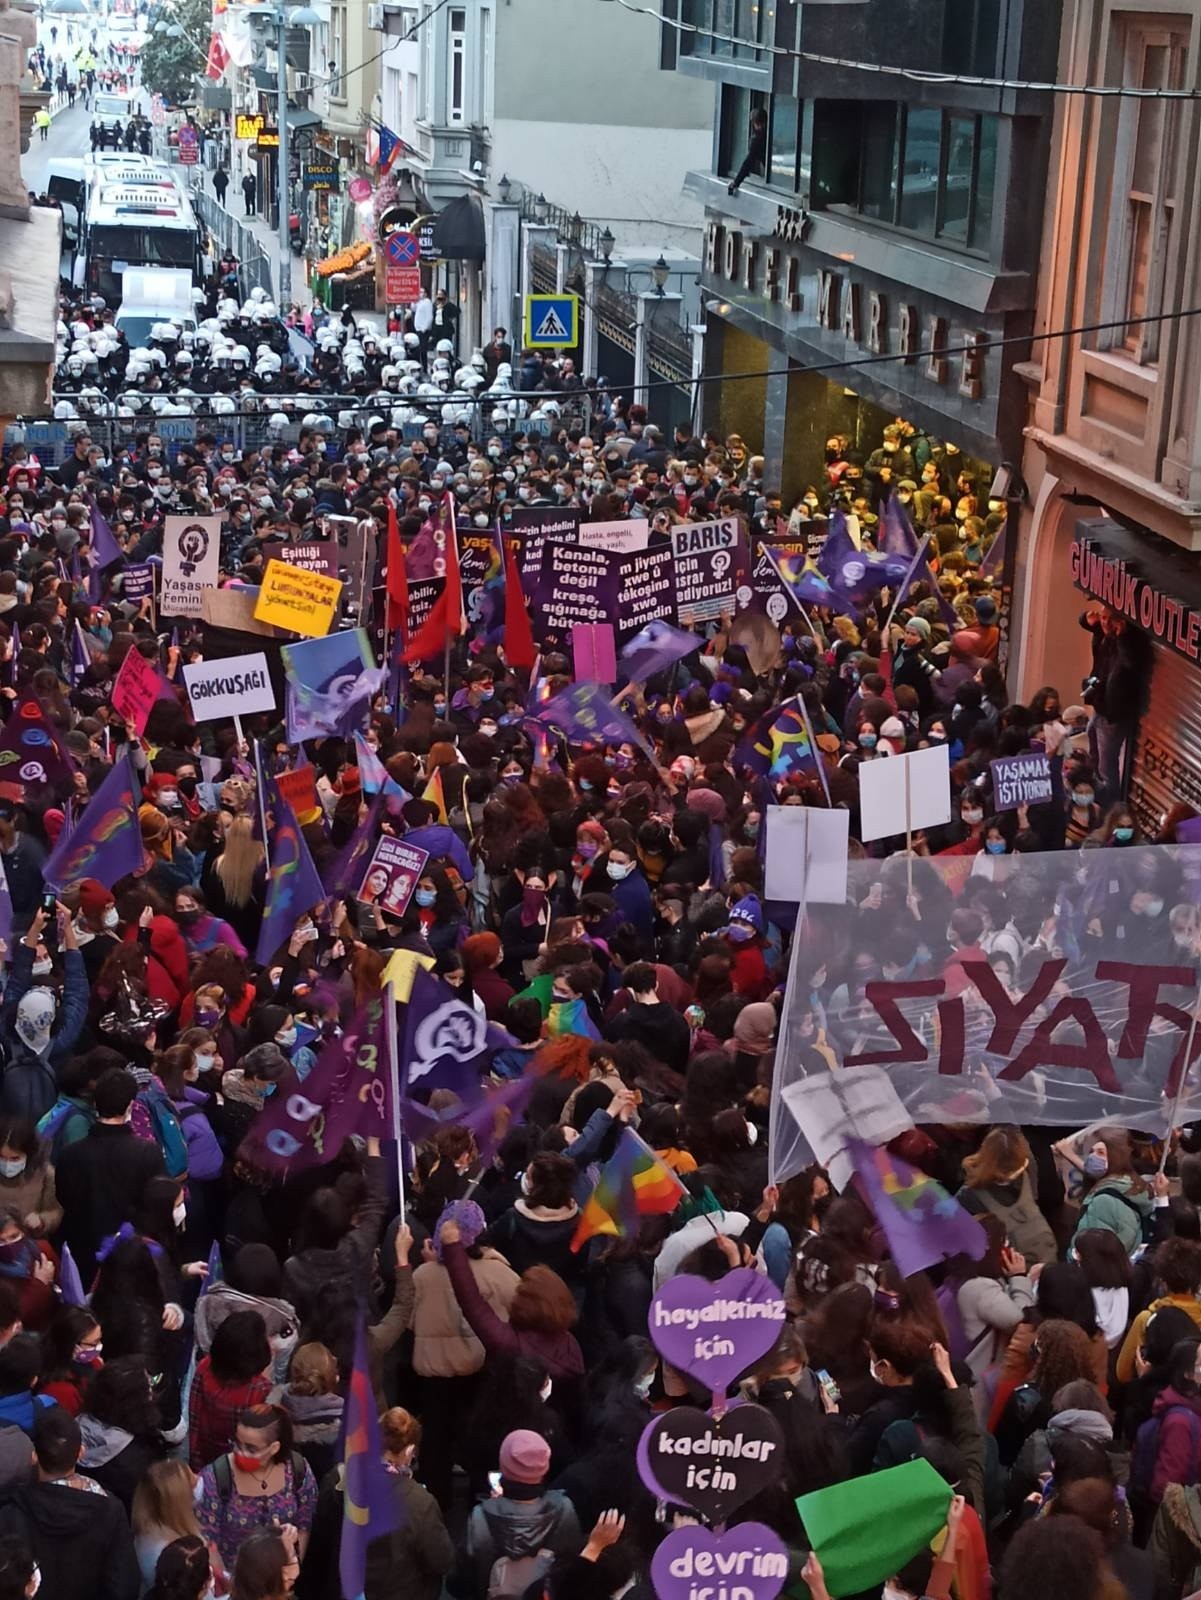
x=94 y=898
x=920 y=626
x=524 y=1456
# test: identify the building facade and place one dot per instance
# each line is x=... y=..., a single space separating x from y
x=1113 y=456
x=878 y=259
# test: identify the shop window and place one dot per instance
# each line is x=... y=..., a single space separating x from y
x=1142 y=221
x=785 y=122
x=337 y=45
x=970 y=35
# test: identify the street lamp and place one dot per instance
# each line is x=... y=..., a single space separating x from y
x=660 y=272
x=541 y=208
x=504 y=189
x=606 y=242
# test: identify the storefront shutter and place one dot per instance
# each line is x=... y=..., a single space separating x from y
x=1167 y=763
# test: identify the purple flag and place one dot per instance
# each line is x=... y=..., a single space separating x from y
x=898 y=539
x=655 y=648
x=70 y=1285
x=445 y=1044
x=371 y=1502
x=346 y=870
x=31 y=750
x=583 y=714
x=346 y=1093
x=478 y=1115
x=992 y=562
x=81 y=658
x=921 y=1221
x=106 y=552
x=293 y=886
x=106 y=842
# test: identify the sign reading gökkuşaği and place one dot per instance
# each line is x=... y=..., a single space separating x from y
x=235 y=687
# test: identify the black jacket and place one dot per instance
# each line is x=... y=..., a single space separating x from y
x=81 y=1541
x=100 y=1181
x=659 y=1028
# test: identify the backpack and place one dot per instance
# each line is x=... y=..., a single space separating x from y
x=1145 y=1223
x=29 y=1087
x=1146 y=1452
x=511 y=1576
x=169 y=1135
x=53 y=1125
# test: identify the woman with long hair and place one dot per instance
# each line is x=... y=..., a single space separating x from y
x=27 y=1178
x=997 y=1180
x=841 y=1253
x=182 y=1571
x=1117 y=1197
x=1061 y=1354
x=267 y=1567
x=72 y=1350
x=120 y=1427
x=163 y=1510
x=234 y=880
x=1062 y=1294
x=1107 y=1269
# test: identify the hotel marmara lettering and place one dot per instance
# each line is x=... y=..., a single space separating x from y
x=864 y=317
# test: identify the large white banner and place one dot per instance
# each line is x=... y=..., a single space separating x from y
x=1057 y=988
x=191 y=564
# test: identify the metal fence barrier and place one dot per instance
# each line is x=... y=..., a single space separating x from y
x=229 y=234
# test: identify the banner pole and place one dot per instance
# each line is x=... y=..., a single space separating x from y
x=394 y=1071
x=908 y=832
x=1179 y=1095
x=241 y=737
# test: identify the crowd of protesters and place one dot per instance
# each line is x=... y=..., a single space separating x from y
x=178 y=1432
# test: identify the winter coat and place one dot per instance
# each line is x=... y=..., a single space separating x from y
x=33 y=1193
x=1175 y=1546
x=101 y=1180
x=79 y=1538
x=984 y=1304
x=1176 y=1458
x=30 y=1084
x=558 y=1352
x=117 y=1459
x=349 y=1263
x=1111 y=1205
x=408 y=1564
x=535 y=1237
x=316 y=1425
x=443 y=1343
x=505 y=1527
x=1034 y=1458
x=1188 y=1303
x=493 y=992
x=205 y=1160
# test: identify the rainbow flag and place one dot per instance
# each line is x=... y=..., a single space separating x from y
x=433 y=793
x=570 y=1016
x=779 y=743
x=633 y=1183
x=921 y=1221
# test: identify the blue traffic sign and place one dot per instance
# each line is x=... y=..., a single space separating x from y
x=552 y=321
x=402 y=249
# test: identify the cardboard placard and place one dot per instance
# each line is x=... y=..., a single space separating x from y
x=594 y=649
x=903 y=793
x=392 y=875
x=191 y=564
x=234 y=609
x=317 y=555
x=806 y=850
x=629 y=534
x=299 y=787
x=1023 y=780
x=234 y=687
x=137 y=581
x=136 y=689
x=304 y=602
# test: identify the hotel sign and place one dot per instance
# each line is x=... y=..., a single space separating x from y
x=833 y=300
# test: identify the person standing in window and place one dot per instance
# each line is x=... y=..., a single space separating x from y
x=756 y=152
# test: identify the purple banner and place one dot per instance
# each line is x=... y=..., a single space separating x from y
x=573 y=585
x=711 y=565
x=1025 y=780
x=647 y=590
x=138 y=581
x=423 y=596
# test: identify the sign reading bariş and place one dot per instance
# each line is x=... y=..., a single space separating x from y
x=191 y=564
x=235 y=687
x=292 y=598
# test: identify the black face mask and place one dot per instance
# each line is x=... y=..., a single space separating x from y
x=187 y=786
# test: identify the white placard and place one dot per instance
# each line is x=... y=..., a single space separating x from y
x=852 y=1103
x=622 y=537
x=899 y=794
x=234 y=687
x=191 y=564
x=806 y=851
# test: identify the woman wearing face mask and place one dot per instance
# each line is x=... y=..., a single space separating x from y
x=628 y=888
x=998 y=837
x=203 y=931
x=440 y=914
x=524 y=927
x=29 y=1266
x=260 y=1484
x=590 y=841
x=27 y=1178
x=1118 y=831
x=971 y=826
x=43 y=1028
x=97 y=926
x=247 y=1088
x=72 y=1350
x=1084 y=814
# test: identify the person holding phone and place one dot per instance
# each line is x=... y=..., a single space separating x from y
x=42 y=1024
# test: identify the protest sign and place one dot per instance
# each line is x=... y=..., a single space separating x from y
x=594 y=652
x=191 y=564
x=716 y=1331
x=135 y=690
x=299 y=788
x=714 y=1464
x=392 y=875
x=234 y=609
x=573 y=585
x=319 y=555
x=138 y=581
x=864 y=1530
x=234 y=687
x=1094 y=1023
x=1025 y=780
x=767 y=594
x=806 y=854
x=423 y=597
x=898 y=794
x=529 y=527
x=631 y=533
x=707 y=568
x=403 y=966
x=646 y=591
x=747 y=1562
x=304 y=602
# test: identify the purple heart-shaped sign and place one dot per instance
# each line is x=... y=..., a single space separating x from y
x=714 y=1464
x=715 y=1331
x=749 y=1560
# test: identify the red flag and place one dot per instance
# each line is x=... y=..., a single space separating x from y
x=218 y=58
x=398 y=578
x=519 y=636
x=430 y=640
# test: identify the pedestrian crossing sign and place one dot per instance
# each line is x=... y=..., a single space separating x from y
x=552 y=321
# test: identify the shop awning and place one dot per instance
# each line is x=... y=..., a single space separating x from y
x=215 y=97
x=300 y=117
x=459 y=230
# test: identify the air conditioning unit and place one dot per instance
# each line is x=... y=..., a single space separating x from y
x=302 y=82
x=375 y=14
